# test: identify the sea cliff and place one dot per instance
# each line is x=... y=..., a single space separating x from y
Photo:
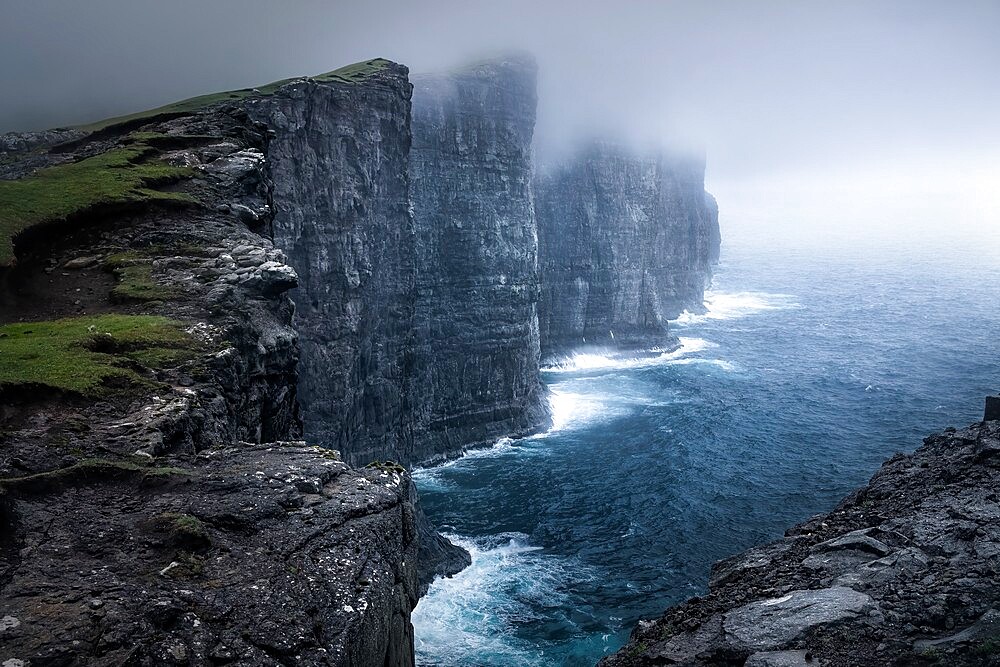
x=157 y=502
x=337 y=163
x=226 y=322
x=626 y=242
x=477 y=257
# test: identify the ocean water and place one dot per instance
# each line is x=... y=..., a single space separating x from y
x=809 y=369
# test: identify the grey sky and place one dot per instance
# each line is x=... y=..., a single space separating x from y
x=888 y=110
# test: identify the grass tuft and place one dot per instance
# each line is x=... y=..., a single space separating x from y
x=135 y=283
x=388 y=466
x=184 y=530
x=80 y=354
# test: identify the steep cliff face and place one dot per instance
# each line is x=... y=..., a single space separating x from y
x=902 y=572
x=477 y=286
x=626 y=242
x=337 y=160
x=152 y=508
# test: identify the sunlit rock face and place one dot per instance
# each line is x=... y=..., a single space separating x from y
x=477 y=282
x=338 y=163
x=626 y=243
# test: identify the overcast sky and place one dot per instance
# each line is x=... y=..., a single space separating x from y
x=836 y=118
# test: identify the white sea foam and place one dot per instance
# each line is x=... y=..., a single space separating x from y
x=570 y=409
x=721 y=363
x=587 y=361
x=469 y=618
x=434 y=477
x=733 y=305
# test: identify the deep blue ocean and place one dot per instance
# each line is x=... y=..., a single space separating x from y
x=809 y=369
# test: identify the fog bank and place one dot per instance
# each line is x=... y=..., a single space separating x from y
x=850 y=118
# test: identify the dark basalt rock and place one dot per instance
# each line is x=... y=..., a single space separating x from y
x=23 y=152
x=337 y=163
x=477 y=283
x=626 y=243
x=292 y=559
x=992 y=408
x=903 y=572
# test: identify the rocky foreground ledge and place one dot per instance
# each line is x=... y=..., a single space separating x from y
x=157 y=504
x=905 y=571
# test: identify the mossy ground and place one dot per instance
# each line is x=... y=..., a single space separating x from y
x=119 y=176
x=136 y=284
x=184 y=529
x=124 y=175
x=349 y=74
x=134 y=270
x=81 y=354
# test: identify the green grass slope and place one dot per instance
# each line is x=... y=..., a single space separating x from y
x=79 y=354
x=119 y=176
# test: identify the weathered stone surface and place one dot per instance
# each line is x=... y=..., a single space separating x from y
x=857 y=540
x=736 y=565
x=81 y=262
x=477 y=281
x=902 y=572
x=844 y=554
x=779 y=659
x=986 y=629
x=988 y=440
x=773 y=623
x=337 y=163
x=284 y=556
x=626 y=242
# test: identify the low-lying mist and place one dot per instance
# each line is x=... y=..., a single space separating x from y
x=853 y=119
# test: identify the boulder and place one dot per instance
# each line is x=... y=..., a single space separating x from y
x=770 y=624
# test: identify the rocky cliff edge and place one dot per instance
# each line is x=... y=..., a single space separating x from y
x=156 y=504
x=902 y=572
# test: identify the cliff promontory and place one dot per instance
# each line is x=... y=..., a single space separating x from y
x=337 y=162
x=157 y=505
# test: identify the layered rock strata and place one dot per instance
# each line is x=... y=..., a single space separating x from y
x=337 y=163
x=626 y=243
x=477 y=283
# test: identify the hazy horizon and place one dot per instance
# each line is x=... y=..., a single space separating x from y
x=859 y=120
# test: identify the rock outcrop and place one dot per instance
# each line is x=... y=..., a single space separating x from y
x=156 y=504
x=626 y=243
x=477 y=284
x=902 y=572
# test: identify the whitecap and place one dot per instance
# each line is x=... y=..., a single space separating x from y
x=721 y=363
x=582 y=362
x=470 y=618
x=733 y=305
x=431 y=477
